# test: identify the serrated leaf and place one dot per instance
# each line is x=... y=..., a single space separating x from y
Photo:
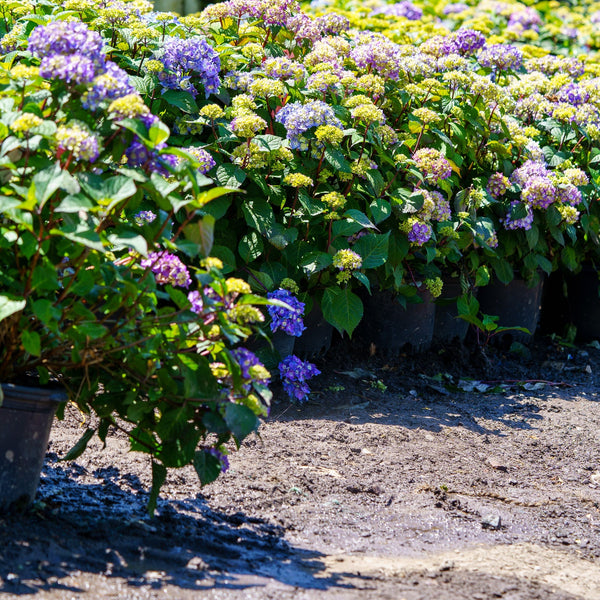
x=373 y=249
x=342 y=309
x=207 y=466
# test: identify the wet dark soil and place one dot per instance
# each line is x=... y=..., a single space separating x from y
x=449 y=474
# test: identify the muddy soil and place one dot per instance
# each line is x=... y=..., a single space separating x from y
x=396 y=480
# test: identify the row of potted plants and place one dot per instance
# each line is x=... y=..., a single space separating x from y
x=163 y=176
x=448 y=146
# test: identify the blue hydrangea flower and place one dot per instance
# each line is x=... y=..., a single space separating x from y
x=298 y=118
x=110 y=84
x=294 y=374
x=150 y=160
x=70 y=68
x=404 y=9
x=290 y=319
x=187 y=59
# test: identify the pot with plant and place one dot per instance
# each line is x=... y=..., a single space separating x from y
x=108 y=296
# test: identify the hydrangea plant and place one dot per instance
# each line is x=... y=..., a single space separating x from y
x=105 y=288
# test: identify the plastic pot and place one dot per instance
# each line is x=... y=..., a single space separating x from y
x=389 y=326
x=316 y=338
x=583 y=291
x=26 y=416
x=448 y=326
x=516 y=304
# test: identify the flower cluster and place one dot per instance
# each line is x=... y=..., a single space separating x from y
x=288 y=320
x=187 y=62
x=294 y=374
x=167 y=268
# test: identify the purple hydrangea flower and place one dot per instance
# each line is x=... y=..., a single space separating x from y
x=247 y=359
x=66 y=37
x=379 y=54
x=294 y=373
x=539 y=192
x=222 y=458
x=195 y=299
x=467 y=41
x=529 y=169
x=497 y=185
x=573 y=93
x=501 y=57
x=144 y=216
x=298 y=118
x=524 y=223
x=70 y=68
x=167 y=268
x=568 y=194
x=404 y=9
x=290 y=319
x=187 y=59
x=204 y=158
x=454 y=8
x=527 y=18
x=420 y=233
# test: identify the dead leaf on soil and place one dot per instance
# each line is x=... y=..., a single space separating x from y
x=322 y=471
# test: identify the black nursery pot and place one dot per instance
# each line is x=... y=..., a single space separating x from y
x=26 y=416
x=315 y=340
x=516 y=304
x=389 y=326
x=448 y=325
x=583 y=298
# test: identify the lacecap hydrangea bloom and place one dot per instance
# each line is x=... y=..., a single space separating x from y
x=288 y=320
x=294 y=373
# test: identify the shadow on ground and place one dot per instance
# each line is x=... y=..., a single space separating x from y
x=103 y=529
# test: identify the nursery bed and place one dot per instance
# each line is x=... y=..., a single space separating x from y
x=389 y=483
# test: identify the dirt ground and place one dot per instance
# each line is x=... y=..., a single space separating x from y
x=443 y=475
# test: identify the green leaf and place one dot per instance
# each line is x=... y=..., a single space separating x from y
x=202 y=233
x=269 y=142
x=129 y=239
x=208 y=466
x=159 y=474
x=259 y=215
x=380 y=210
x=482 y=276
x=360 y=218
x=9 y=305
x=79 y=448
x=314 y=262
x=240 y=420
x=158 y=133
x=363 y=279
x=342 y=309
x=45 y=311
x=80 y=234
x=230 y=176
x=250 y=247
x=337 y=160
x=533 y=236
x=503 y=270
x=569 y=258
x=32 y=342
x=182 y=100
x=93 y=331
x=373 y=248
